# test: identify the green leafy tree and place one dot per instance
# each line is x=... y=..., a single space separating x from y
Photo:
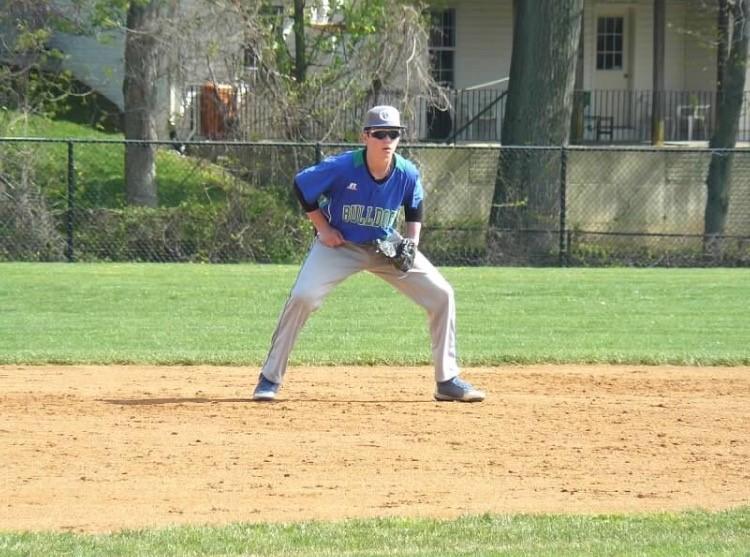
x=337 y=56
x=30 y=83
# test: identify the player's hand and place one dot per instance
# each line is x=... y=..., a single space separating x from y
x=331 y=237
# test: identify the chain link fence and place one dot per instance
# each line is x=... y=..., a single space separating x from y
x=64 y=200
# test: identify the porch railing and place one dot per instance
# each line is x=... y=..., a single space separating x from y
x=601 y=116
x=625 y=116
x=224 y=112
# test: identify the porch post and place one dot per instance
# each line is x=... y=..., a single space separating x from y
x=657 y=100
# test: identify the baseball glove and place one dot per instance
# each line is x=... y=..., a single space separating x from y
x=400 y=251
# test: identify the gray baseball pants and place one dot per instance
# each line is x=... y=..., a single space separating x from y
x=326 y=267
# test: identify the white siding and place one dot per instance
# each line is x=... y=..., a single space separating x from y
x=642 y=46
x=484 y=40
x=700 y=48
x=674 y=47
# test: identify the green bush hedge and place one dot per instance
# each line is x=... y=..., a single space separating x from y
x=250 y=226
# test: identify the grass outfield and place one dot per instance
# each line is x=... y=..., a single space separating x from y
x=225 y=314
x=684 y=534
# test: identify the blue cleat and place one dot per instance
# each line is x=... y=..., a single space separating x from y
x=265 y=389
x=458 y=389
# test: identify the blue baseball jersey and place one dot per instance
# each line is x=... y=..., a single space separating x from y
x=360 y=207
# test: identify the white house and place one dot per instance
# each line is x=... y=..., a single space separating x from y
x=471 y=54
x=484 y=31
x=617 y=62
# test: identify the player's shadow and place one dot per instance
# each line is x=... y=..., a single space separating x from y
x=173 y=400
x=202 y=400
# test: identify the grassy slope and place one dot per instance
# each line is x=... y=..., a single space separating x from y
x=14 y=125
x=99 y=167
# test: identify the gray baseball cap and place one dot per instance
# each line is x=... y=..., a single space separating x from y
x=383 y=116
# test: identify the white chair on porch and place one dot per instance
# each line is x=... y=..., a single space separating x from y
x=692 y=114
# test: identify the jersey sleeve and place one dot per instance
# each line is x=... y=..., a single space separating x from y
x=414 y=193
x=414 y=214
x=317 y=180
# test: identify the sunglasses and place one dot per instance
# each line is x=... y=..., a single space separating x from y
x=382 y=134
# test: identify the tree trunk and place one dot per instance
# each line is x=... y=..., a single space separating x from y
x=537 y=112
x=142 y=68
x=542 y=72
x=731 y=81
x=722 y=44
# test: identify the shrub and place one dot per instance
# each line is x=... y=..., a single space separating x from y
x=253 y=225
x=460 y=244
x=28 y=230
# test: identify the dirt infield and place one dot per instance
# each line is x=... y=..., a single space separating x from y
x=93 y=449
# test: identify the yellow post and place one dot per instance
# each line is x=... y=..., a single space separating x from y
x=657 y=135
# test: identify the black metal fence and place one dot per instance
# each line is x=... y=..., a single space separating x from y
x=604 y=116
x=64 y=200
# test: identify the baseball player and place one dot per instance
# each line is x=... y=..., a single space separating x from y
x=353 y=200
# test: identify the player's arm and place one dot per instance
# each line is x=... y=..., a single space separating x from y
x=412 y=231
x=414 y=206
x=327 y=233
x=413 y=217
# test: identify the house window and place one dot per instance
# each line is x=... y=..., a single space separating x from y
x=609 y=41
x=443 y=46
